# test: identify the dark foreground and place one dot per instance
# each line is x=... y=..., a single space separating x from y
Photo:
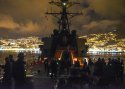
x=42 y=81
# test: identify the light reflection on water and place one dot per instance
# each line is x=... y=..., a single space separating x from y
x=106 y=55
x=29 y=56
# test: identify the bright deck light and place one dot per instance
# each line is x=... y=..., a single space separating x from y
x=64 y=3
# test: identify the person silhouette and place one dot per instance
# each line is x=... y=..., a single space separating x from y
x=19 y=72
x=11 y=59
x=6 y=81
x=54 y=67
x=77 y=63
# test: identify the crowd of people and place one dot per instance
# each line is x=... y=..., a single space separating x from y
x=55 y=67
x=109 y=72
x=102 y=71
x=14 y=71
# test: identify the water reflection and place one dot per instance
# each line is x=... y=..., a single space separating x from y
x=106 y=55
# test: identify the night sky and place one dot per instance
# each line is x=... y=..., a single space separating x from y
x=23 y=18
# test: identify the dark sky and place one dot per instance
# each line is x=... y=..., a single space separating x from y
x=21 y=18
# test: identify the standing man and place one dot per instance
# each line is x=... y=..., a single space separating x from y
x=7 y=73
x=19 y=71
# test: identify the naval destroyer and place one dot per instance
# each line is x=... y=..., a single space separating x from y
x=64 y=41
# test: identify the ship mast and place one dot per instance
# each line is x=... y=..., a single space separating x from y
x=63 y=39
x=64 y=15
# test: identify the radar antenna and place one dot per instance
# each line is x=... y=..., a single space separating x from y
x=64 y=15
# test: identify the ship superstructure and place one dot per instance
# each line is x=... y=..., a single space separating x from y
x=63 y=40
